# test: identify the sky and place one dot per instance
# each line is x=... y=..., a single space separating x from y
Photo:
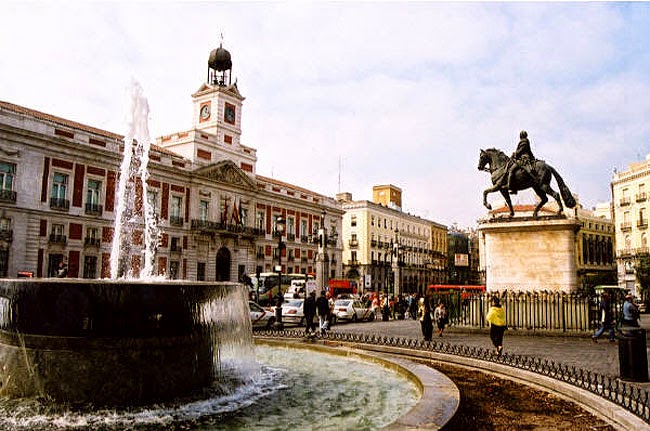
x=342 y=96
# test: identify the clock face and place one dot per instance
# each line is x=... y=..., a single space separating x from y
x=205 y=112
x=229 y=114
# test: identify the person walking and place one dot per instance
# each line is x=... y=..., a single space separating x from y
x=496 y=316
x=606 y=320
x=309 y=310
x=323 y=310
x=440 y=317
x=424 y=316
x=630 y=312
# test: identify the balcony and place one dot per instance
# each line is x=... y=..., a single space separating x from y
x=291 y=237
x=175 y=248
x=6 y=235
x=90 y=241
x=175 y=220
x=58 y=239
x=94 y=209
x=373 y=243
x=7 y=196
x=59 y=204
x=353 y=263
x=642 y=224
x=626 y=227
x=624 y=201
x=641 y=197
x=225 y=228
x=304 y=238
x=353 y=243
x=259 y=255
x=303 y=260
x=291 y=258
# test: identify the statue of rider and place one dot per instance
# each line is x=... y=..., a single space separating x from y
x=522 y=158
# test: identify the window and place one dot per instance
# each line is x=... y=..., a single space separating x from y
x=260 y=220
x=152 y=199
x=93 y=192
x=243 y=213
x=59 y=186
x=175 y=244
x=90 y=267
x=303 y=230
x=4 y=262
x=59 y=191
x=7 y=173
x=92 y=236
x=175 y=216
x=203 y=210
x=200 y=271
x=372 y=220
x=174 y=267
x=353 y=221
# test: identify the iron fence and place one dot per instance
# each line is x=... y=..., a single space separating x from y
x=535 y=311
x=634 y=399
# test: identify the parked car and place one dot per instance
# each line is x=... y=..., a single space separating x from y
x=353 y=310
x=260 y=317
x=292 y=311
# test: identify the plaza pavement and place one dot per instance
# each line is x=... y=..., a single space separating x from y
x=575 y=350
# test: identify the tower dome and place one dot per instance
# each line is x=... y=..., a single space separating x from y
x=220 y=59
x=219 y=67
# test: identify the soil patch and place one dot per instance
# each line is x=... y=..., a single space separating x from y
x=491 y=403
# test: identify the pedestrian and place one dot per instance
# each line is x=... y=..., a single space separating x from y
x=424 y=316
x=323 y=311
x=440 y=317
x=62 y=270
x=497 y=318
x=630 y=312
x=606 y=320
x=309 y=310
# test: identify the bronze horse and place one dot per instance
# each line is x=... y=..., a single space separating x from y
x=499 y=166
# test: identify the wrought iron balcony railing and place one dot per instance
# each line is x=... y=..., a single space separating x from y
x=176 y=220
x=58 y=239
x=7 y=196
x=92 y=241
x=59 y=204
x=94 y=209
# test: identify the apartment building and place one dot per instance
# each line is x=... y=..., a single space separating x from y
x=630 y=210
x=387 y=249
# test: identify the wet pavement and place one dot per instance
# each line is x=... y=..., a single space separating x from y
x=578 y=351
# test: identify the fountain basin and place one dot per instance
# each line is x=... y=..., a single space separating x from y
x=113 y=342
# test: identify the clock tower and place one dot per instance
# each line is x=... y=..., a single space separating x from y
x=216 y=120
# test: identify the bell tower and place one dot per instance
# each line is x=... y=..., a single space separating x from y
x=218 y=103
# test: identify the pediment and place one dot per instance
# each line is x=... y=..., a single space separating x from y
x=227 y=172
x=232 y=90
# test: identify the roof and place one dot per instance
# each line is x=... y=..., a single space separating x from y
x=72 y=124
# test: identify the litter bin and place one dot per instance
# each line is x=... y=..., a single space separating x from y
x=632 y=355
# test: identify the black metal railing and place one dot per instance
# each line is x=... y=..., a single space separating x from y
x=7 y=196
x=533 y=311
x=219 y=227
x=59 y=204
x=176 y=220
x=58 y=239
x=6 y=235
x=92 y=241
x=94 y=209
x=634 y=399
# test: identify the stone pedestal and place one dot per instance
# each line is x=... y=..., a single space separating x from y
x=529 y=254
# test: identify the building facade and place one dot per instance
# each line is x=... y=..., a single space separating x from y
x=388 y=250
x=630 y=212
x=216 y=215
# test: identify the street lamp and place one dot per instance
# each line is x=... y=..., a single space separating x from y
x=280 y=224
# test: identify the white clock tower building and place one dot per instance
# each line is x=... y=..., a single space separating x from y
x=216 y=133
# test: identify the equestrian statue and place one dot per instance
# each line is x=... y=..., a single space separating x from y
x=520 y=172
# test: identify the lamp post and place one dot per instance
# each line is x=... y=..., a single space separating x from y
x=280 y=224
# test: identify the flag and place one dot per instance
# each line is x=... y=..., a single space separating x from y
x=235 y=212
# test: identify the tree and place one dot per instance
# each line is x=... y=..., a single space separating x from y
x=643 y=276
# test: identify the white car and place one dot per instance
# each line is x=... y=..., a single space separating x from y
x=260 y=317
x=353 y=310
x=292 y=311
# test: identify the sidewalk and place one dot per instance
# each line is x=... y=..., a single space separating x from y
x=580 y=352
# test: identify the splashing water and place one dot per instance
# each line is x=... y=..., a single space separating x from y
x=133 y=175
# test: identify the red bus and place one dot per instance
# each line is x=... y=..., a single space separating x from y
x=465 y=290
x=338 y=287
